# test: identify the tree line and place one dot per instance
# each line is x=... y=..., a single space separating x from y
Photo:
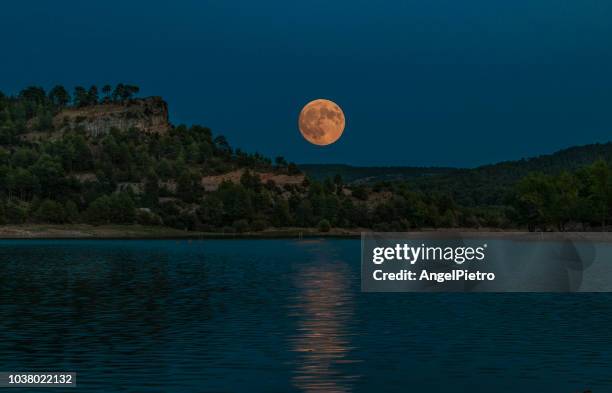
x=156 y=180
x=127 y=176
x=578 y=200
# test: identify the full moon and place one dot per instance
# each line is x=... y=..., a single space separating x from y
x=321 y=122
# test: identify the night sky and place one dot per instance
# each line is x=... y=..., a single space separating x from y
x=429 y=82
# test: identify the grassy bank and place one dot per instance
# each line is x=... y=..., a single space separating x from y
x=84 y=231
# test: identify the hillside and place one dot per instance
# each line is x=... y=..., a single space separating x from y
x=490 y=184
x=117 y=159
x=365 y=175
x=88 y=159
x=484 y=185
x=147 y=115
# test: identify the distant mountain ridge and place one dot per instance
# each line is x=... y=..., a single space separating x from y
x=358 y=174
x=484 y=185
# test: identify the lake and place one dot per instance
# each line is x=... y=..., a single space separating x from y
x=280 y=316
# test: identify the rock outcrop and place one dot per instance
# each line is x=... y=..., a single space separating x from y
x=146 y=114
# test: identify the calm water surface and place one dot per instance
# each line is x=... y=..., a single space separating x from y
x=280 y=316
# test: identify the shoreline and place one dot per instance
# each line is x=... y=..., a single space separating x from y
x=136 y=232
x=140 y=232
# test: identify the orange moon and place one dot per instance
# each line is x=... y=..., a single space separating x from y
x=321 y=122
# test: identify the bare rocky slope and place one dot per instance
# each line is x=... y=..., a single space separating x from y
x=147 y=114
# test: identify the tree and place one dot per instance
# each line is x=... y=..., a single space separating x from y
x=50 y=174
x=304 y=214
x=16 y=212
x=21 y=183
x=71 y=211
x=241 y=226
x=124 y=92
x=130 y=91
x=99 y=211
x=533 y=200
x=280 y=162
x=600 y=189
x=324 y=226
x=236 y=201
x=117 y=208
x=75 y=153
x=5 y=157
x=24 y=157
x=92 y=95
x=566 y=200
x=59 y=96
x=80 y=97
x=32 y=97
x=211 y=211
x=151 y=189
x=122 y=208
x=3 y=218
x=221 y=144
x=44 y=119
x=51 y=211
x=106 y=90
x=188 y=186
x=118 y=92
x=281 y=217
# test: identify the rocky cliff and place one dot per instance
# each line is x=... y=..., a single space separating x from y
x=147 y=114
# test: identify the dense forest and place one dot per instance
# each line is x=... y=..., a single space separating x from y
x=128 y=176
x=481 y=186
x=371 y=175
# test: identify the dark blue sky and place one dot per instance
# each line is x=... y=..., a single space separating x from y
x=429 y=82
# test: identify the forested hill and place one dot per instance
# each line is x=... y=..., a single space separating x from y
x=484 y=185
x=113 y=158
x=563 y=160
x=360 y=174
x=489 y=184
